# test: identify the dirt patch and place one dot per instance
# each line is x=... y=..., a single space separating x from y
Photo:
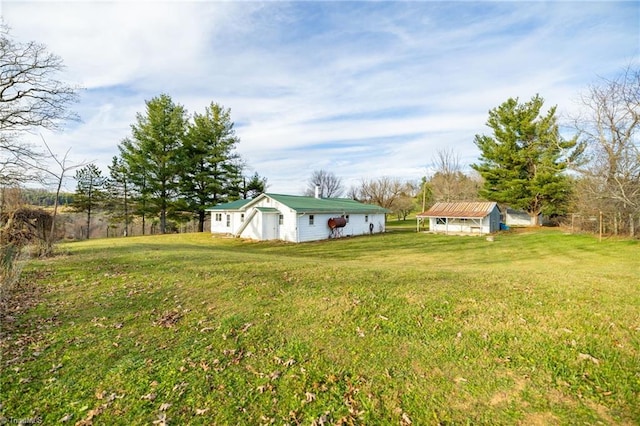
x=519 y=383
x=539 y=419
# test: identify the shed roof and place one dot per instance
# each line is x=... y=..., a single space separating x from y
x=463 y=210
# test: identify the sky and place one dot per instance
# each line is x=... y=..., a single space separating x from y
x=360 y=89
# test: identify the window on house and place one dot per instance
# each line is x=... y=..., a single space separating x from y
x=228 y=220
x=218 y=217
x=311 y=218
x=366 y=218
x=441 y=221
x=241 y=217
x=280 y=219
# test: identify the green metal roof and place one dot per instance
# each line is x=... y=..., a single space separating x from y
x=303 y=204
x=326 y=205
x=234 y=205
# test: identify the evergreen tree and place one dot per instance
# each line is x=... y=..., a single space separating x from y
x=211 y=170
x=89 y=191
x=153 y=155
x=522 y=163
x=253 y=186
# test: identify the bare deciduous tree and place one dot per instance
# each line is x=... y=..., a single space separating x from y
x=330 y=186
x=52 y=177
x=610 y=123
x=384 y=191
x=449 y=182
x=31 y=97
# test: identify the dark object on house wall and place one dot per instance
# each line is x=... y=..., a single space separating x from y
x=337 y=222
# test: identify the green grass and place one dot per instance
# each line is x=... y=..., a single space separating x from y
x=533 y=328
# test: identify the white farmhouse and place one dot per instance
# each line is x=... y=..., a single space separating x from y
x=296 y=218
x=462 y=218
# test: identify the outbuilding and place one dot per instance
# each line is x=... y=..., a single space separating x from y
x=514 y=217
x=296 y=218
x=462 y=218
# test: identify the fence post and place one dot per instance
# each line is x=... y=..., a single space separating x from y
x=601 y=224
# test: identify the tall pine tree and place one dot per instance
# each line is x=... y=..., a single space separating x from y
x=523 y=161
x=209 y=161
x=153 y=155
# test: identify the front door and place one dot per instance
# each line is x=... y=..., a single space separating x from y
x=270 y=226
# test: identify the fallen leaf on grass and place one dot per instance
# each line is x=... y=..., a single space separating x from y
x=405 y=420
x=322 y=420
x=275 y=375
x=149 y=396
x=201 y=411
x=168 y=319
x=162 y=420
x=460 y=380
x=113 y=396
x=310 y=397
x=179 y=389
x=587 y=357
x=88 y=420
x=66 y=418
x=164 y=406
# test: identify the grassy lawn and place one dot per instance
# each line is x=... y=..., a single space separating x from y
x=403 y=328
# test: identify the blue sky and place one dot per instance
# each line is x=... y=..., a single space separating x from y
x=362 y=89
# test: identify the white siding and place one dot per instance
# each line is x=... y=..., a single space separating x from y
x=518 y=218
x=262 y=225
x=355 y=226
x=253 y=230
x=220 y=227
x=460 y=226
x=487 y=225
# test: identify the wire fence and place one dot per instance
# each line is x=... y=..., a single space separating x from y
x=605 y=223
